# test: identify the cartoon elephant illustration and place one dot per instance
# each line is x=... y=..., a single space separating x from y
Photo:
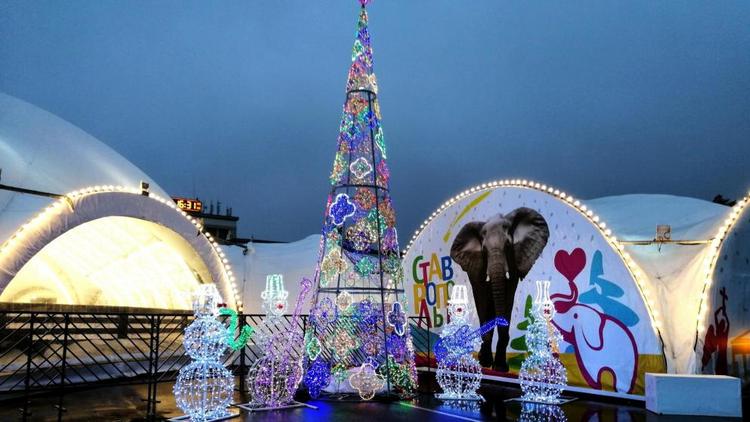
x=599 y=341
x=496 y=255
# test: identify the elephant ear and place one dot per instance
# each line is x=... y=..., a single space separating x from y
x=530 y=233
x=467 y=249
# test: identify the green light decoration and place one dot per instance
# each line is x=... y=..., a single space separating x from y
x=313 y=348
x=365 y=266
x=245 y=333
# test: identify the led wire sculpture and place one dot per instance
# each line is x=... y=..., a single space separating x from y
x=204 y=388
x=358 y=326
x=459 y=373
x=273 y=378
x=542 y=376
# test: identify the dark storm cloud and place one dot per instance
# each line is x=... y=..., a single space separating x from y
x=240 y=101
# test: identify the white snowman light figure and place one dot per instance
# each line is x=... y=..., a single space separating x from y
x=275 y=304
x=459 y=375
x=204 y=388
x=542 y=375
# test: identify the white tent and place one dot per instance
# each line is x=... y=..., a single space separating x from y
x=103 y=243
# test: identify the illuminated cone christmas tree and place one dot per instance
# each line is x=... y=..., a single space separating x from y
x=359 y=330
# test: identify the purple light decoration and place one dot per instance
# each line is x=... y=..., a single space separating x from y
x=323 y=313
x=277 y=374
x=342 y=209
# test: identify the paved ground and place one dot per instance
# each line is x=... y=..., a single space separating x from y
x=124 y=403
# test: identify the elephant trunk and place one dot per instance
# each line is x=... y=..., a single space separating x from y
x=498 y=273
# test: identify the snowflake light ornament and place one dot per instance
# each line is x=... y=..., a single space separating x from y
x=360 y=168
x=344 y=300
x=341 y=209
x=366 y=381
x=323 y=313
x=313 y=348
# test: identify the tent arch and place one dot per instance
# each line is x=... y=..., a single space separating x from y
x=635 y=271
x=93 y=203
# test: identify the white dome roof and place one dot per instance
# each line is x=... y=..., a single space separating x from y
x=41 y=151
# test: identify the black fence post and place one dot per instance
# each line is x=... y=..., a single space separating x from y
x=27 y=380
x=155 y=378
x=151 y=369
x=243 y=368
x=59 y=406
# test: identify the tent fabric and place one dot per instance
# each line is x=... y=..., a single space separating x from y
x=674 y=271
x=89 y=207
x=41 y=151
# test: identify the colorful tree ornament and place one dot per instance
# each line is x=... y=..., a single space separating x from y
x=366 y=381
x=317 y=377
x=344 y=300
x=204 y=388
x=542 y=375
x=313 y=348
x=360 y=168
x=341 y=209
x=397 y=318
x=359 y=270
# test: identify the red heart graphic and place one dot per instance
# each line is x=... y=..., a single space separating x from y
x=570 y=264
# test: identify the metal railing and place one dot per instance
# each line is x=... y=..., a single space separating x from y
x=51 y=352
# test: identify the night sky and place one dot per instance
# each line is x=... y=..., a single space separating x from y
x=240 y=101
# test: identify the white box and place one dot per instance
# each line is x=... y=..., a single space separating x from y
x=704 y=395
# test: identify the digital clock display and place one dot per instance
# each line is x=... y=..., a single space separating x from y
x=189 y=205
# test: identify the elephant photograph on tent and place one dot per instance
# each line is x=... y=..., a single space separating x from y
x=498 y=242
x=496 y=254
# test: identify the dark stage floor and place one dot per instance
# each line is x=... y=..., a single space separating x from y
x=124 y=403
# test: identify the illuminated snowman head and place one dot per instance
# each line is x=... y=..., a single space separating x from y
x=542 y=302
x=458 y=304
x=275 y=296
x=206 y=301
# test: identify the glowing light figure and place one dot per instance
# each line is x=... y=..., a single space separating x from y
x=275 y=376
x=459 y=373
x=366 y=381
x=542 y=375
x=397 y=318
x=204 y=388
x=275 y=304
x=245 y=333
x=341 y=209
x=360 y=168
